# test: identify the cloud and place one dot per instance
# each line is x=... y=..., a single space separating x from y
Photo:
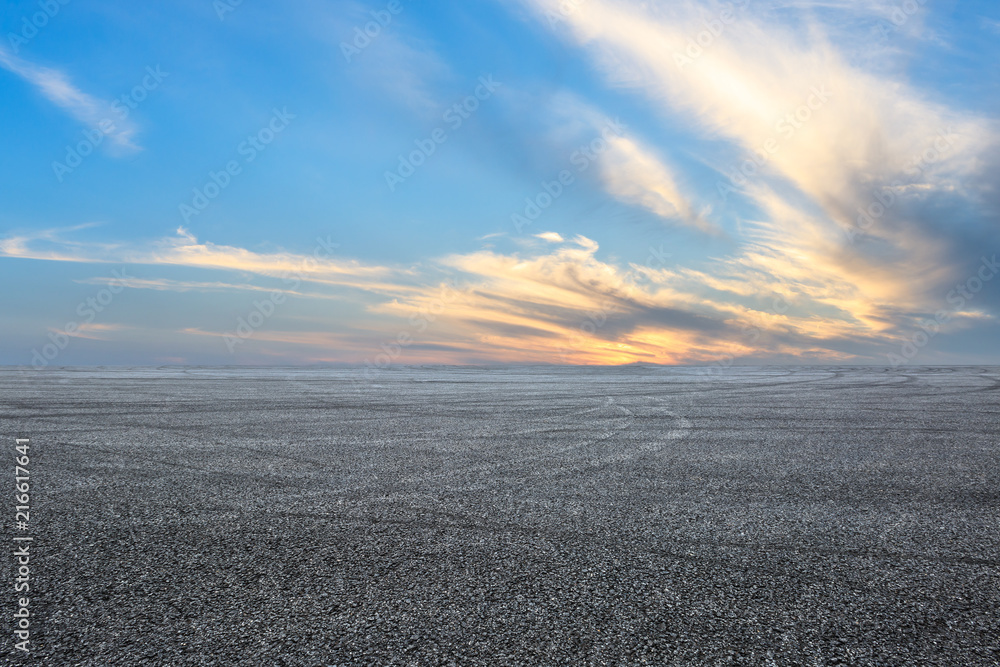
x=551 y=237
x=872 y=195
x=88 y=110
x=568 y=306
x=95 y=331
x=632 y=174
x=184 y=249
x=858 y=199
x=168 y=285
x=558 y=303
x=549 y=303
x=628 y=168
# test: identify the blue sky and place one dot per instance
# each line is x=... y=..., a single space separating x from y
x=748 y=182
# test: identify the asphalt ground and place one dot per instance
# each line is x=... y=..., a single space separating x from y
x=520 y=516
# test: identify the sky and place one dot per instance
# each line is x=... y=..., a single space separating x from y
x=526 y=181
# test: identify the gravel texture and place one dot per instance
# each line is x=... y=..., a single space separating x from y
x=520 y=516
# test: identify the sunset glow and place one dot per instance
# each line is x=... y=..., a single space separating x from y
x=543 y=181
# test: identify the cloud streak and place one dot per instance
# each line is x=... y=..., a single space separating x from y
x=184 y=249
x=56 y=87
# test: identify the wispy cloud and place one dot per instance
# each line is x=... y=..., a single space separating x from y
x=203 y=286
x=90 y=111
x=633 y=174
x=833 y=143
x=96 y=330
x=184 y=249
x=628 y=168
